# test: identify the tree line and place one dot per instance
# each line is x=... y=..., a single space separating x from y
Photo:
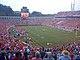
x=5 y=10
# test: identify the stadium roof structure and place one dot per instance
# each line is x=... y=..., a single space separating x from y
x=73 y=16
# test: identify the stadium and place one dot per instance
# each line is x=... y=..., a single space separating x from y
x=25 y=35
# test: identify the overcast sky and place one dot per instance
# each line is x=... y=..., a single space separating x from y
x=44 y=6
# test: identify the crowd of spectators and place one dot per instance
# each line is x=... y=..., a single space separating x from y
x=12 y=48
x=67 y=13
x=62 y=24
x=67 y=24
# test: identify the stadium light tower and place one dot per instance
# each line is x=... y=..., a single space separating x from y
x=72 y=5
x=73 y=9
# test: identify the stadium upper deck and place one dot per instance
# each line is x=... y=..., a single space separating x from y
x=59 y=15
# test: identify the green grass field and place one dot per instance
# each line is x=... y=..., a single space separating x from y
x=48 y=37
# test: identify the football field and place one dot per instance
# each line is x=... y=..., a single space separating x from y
x=48 y=37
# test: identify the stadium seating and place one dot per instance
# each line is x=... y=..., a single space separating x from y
x=11 y=46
